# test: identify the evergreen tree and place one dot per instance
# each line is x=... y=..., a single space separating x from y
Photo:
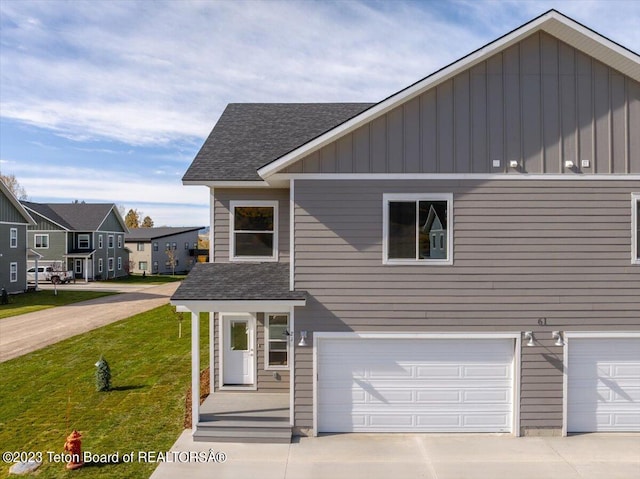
x=147 y=222
x=103 y=375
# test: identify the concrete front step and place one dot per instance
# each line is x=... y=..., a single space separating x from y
x=248 y=435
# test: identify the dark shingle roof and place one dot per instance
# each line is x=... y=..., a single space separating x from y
x=73 y=216
x=237 y=281
x=147 y=234
x=249 y=135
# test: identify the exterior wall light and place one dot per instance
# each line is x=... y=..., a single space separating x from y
x=303 y=338
x=569 y=164
x=557 y=335
x=529 y=337
x=513 y=164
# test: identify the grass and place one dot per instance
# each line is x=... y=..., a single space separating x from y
x=36 y=300
x=149 y=279
x=50 y=392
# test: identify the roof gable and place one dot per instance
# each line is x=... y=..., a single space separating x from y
x=18 y=211
x=552 y=22
x=75 y=216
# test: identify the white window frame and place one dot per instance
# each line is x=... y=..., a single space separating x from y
x=139 y=246
x=267 y=342
x=141 y=264
x=110 y=242
x=232 y=231
x=119 y=241
x=88 y=241
x=409 y=197
x=119 y=263
x=35 y=240
x=100 y=242
x=13 y=272
x=100 y=265
x=13 y=238
x=635 y=221
x=155 y=246
x=110 y=264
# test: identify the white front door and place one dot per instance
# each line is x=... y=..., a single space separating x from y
x=238 y=359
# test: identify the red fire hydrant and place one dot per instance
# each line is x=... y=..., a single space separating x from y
x=74 y=447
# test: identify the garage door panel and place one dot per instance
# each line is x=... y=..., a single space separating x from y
x=603 y=385
x=391 y=385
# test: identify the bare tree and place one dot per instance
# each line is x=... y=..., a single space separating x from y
x=172 y=260
x=14 y=186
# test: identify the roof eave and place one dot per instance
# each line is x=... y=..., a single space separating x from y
x=552 y=22
x=236 y=306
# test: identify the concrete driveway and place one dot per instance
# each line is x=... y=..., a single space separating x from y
x=28 y=332
x=412 y=456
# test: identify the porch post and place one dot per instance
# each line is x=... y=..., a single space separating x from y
x=195 y=369
x=212 y=363
x=86 y=270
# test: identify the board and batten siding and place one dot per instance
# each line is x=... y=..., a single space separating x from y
x=540 y=102
x=528 y=255
x=221 y=232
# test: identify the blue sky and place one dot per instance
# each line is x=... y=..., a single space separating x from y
x=109 y=101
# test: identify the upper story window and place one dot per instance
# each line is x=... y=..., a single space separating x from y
x=13 y=238
x=417 y=228
x=100 y=241
x=167 y=246
x=277 y=352
x=186 y=245
x=110 y=241
x=635 y=228
x=119 y=241
x=155 y=246
x=41 y=241
x=140 y=246
x=254 y=230
x=83 y=241
x=174 y=246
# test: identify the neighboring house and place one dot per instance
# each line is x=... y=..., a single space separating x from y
x=14 y=220
x=86 y=238
x=525 y=156
x=149 y=249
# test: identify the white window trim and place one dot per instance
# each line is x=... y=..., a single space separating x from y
x=119 y=263
x=232 y=232
x=100 y=242
x=88 y=241
x=100 y=265
x=267 y=366
x=13 y=272
x=387 y=197
x=635 y=254
x=110 y=264
x=13 y=238
x=41 y=235
x=110 y=242
x=119 y=241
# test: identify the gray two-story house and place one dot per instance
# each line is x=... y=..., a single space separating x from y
x=86 y=238
x=162 y=250
x=462 y=256
x=14 y=220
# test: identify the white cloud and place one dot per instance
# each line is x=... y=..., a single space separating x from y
x=153 y=72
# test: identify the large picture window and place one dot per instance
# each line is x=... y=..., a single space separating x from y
x=277 y=353
x=635 y=228
x=254 y=230
x=417 y=228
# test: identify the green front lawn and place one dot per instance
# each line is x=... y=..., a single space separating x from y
x=37 y=300
x=149 y=279
x=48 y=393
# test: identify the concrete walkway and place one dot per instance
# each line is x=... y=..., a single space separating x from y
x=28 y=332
x=412 y=456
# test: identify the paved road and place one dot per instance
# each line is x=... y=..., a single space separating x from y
x=28 y=332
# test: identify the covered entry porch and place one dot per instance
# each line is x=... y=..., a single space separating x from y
x=251 y=337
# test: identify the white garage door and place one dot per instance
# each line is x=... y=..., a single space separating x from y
x=415 y=385
x=603 y=384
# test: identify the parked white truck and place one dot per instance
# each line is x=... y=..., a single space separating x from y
x=49 y=273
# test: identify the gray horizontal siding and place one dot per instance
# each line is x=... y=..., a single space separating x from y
x=221 y=218
x=540 y=102
x=523 y=251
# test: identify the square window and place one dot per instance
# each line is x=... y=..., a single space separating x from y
x=41 y=241
x=417 y=228
x=83 y=241
x=254 y=230
x=142 y=265
x=277 y=335
x=13 y=238
x=140 y=246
